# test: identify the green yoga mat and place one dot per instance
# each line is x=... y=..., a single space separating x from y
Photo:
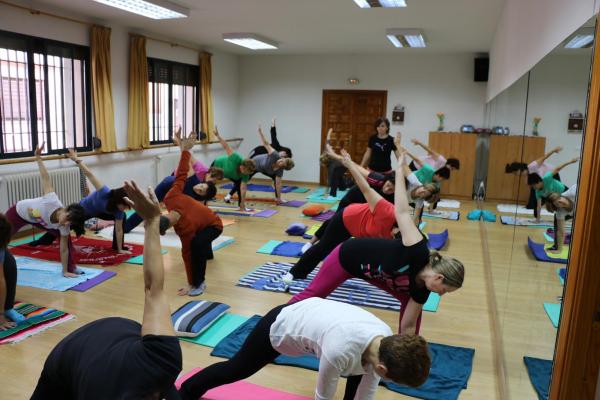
x=25 y=240
x=301 y=190
x=268 y=247
x=219 y=329
x=139 y=260
x=553 y=311
x=432 y=303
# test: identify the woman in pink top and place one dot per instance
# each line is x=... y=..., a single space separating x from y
x=375 y=219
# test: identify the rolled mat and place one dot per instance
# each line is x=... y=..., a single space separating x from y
x=539 y=252
x=450 y=368
x=241 y=390
x=437 y=241
x=539 y=372
x=87 y=251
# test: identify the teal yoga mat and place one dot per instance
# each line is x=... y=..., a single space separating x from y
x=25 y=240
x=268 y=247
x=553 y=312
x=219 y=329
x=139 y=260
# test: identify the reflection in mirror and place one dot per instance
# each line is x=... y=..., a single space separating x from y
x=533 y=168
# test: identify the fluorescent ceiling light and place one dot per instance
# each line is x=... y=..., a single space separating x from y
x=580 y=41
x=380 y=3
x=250 y=41
x=155 y=9
x=406 y=38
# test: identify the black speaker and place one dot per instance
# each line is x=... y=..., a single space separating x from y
x=482 y=66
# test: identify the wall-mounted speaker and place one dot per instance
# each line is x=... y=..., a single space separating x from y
x=482 y=66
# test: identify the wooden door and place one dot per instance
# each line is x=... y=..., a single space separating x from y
x=461 y=146
x=351 y=114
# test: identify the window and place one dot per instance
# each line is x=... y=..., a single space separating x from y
x=172 y=99
x=44 y=96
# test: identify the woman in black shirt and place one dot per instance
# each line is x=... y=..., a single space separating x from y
x=403 y=267
x=379 y=150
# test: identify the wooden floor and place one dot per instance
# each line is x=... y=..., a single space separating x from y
x=503 y=319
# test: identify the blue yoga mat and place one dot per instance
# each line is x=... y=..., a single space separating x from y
x=539 y=374
x=562 y=274
x=539 y=252
x=262 y=188
x=553 y=312
x=43 y=274
x=436 y=241
x=450 y=369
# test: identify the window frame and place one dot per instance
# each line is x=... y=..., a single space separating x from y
x=152 y=130
x=39 y=45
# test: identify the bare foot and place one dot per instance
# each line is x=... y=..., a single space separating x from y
x=183 y=291
x=70 y=275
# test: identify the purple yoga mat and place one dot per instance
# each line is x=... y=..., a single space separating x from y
x=324 y=216
x=90 y=283
x=293 y=203
x=265 y=213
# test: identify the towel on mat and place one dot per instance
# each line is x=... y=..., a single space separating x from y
x=37 y=320
x=48 y=275
x=510 y=220
x=451 y=215
x=87 y=251
x=539 y=372
x=450 y=368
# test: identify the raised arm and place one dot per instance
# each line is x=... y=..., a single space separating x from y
x=371 y=195
x=86 y=171
x=225 y=145
x=46 y=183
x=274 y=141
x=428 y=149
x=418 y=160
x=157 y=315
x=410 y=233
x=264 y=141
x=555 y=150
x=561 y=166
x=185 y=145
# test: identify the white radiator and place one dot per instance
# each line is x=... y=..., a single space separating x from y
x=66 y=181
x=164 y=165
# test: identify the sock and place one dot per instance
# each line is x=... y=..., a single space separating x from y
x=14 y=316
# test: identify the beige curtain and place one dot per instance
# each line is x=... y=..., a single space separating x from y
x=138 y=135
x=104 y=114
x=206 y=106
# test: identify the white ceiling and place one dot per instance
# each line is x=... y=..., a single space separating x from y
x=313 y=26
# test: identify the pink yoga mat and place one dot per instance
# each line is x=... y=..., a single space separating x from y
x=241 y=390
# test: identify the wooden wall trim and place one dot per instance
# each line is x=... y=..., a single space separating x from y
x=577 y=356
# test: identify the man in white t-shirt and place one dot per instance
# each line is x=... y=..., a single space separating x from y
x=563 y=207
x=348 y=341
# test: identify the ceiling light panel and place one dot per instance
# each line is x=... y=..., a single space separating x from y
x=580 y=41
x=155 y=9
x=250 y=41
x=406 y=38
x=380 y=3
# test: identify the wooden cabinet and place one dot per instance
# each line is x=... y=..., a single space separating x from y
x=505 y=150
x=462 y=147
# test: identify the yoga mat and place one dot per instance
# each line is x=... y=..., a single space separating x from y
x=25 y=240
x=301 y=190
x=268 y=247
x=139 y=260
x=563 y=255
x=553 y=312
x=44 y=274
x=446 y=204
x=451 y=366
x=169 y=239
x=311 y=231
x=539 y=252
x=510 y=220
x=515 y=209
x=218 y=330
x=436 y=241
x=539 y=372
x=550 y=237
x=293 y=203
x=321 y=200
x=562 y=274
x=86 y=251
x=90 y=283
x=233 y=210
x=353 y=291
x=38 y=319
x=450 y=215
x=324 y=216
x=281 y=248
x=322 y=191
x=241 y=390
x=261 y=188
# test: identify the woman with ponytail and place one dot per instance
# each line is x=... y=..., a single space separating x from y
x=563 y=206
x=403 y=267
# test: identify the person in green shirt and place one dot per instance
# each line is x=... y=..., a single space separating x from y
x=236 y=169
x=547 y=184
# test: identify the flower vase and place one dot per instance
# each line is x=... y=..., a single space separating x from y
x=535 y=131
x=440 y=125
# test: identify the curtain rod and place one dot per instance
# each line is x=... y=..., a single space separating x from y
x=35 y=11
x=172 y=44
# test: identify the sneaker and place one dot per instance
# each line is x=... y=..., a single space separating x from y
x=276 y=285
x=78 y=271
x=304 y=248
x=288 y=278
x=227 y=198
x=197 y=291
x=14 y=315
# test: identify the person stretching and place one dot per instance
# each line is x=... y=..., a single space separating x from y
x=547 y=184
x=117 y=358
x=236 y=169
x=199 y=185
x=195 y=224
x=403 y=267
x=272 y=165
x=563 y=206
x=379 y=150
x=9 y=317
x=535 y=171
x=49 y=214
x=348 y=341
x=284 y=152
x=418 y=192
x=375 y=218
x=434 y=159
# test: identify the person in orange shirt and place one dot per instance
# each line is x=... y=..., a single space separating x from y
x=196 y=224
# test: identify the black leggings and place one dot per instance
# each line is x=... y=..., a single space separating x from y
x=201 y=252
x=237 y=188
x=255 y=353
x=336 y=179
x=10 y=277
x=335 y=233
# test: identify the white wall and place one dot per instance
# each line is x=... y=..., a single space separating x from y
x=291 y=87
x=138 y=165
x=527 y=31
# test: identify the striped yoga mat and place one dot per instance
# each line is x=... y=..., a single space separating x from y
x=38 y=319
x=353 y=291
